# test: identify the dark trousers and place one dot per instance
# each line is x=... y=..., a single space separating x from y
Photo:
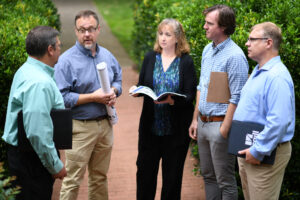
x=35 y=181
x=172 y=151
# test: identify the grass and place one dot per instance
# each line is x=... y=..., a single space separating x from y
x=119 y=16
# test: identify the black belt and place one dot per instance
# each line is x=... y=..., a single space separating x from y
x=100 y=118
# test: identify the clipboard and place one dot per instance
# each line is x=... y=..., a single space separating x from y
x=218 y=88
x=62 y=130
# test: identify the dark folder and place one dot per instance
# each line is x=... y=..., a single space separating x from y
x=242 y=135
x=62 y=133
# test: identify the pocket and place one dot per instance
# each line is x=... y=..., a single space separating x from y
x=222 y=139
x=78 y=127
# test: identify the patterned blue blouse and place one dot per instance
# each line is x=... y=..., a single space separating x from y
x=167 y=81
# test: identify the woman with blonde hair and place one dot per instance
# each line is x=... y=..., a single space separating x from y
x=163 y=128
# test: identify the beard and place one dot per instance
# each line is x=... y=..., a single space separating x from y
x=89 y=46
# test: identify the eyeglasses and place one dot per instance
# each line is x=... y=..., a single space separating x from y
x=250 y=39
x=89 y=30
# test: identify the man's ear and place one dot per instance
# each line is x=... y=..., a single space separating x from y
x=75 y=30
x=50 y=50
x=269 y=43
x=223 y=29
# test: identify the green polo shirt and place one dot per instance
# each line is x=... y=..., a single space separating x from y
x=35 y=93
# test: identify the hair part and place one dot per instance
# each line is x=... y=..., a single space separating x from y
x=270 y=30
x=39 y=39
x=86 y=14
x=226 y=17
x=182 y=45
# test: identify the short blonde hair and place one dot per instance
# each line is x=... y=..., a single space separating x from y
x=182 y=45
x=270 y=30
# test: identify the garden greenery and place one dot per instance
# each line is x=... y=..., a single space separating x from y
x=149 y=13
x=7 y=190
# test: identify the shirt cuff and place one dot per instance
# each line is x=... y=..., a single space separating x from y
x=71 y=100
x=256 y=154
x=117 y=88
x=234 y=99
x=57 y=167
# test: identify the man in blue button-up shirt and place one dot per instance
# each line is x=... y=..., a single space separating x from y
x=212 y=120
x=35 y=93
x=77 y=79
x=267 y=98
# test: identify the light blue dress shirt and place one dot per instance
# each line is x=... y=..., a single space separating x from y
x=268 y=98
x=35 y=93
x=225 y=57
x=76 y=73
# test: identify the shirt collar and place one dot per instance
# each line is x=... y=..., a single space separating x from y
x=220 y=46
x=46 y=68
x=85 y=51
x=268 y=65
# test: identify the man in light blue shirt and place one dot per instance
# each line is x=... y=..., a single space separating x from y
x=267 y=98
x=77 y=78
x=212 y=120
x=35 y=93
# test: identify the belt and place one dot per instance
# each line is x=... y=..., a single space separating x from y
x=95 y=119
x=211 y=118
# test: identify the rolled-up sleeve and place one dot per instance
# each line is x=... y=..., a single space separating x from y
x=117 y=76
x=64 y=77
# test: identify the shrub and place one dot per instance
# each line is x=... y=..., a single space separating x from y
x=149 y=13
x=16 y=19
x=7 y=191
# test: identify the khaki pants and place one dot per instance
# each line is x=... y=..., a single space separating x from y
x=263 y=182
x=92 y=146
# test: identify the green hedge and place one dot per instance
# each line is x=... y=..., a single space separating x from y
x=148 y=14
x=16 y=19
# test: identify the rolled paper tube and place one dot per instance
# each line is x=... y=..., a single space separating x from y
x=104 y=82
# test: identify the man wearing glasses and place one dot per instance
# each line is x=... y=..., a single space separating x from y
x=76 y=77
x=267 y=98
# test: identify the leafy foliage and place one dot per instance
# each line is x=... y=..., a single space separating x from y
x=149 y=13
x=7 y=191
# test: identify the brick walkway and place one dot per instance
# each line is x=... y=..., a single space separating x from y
x=121 y=176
